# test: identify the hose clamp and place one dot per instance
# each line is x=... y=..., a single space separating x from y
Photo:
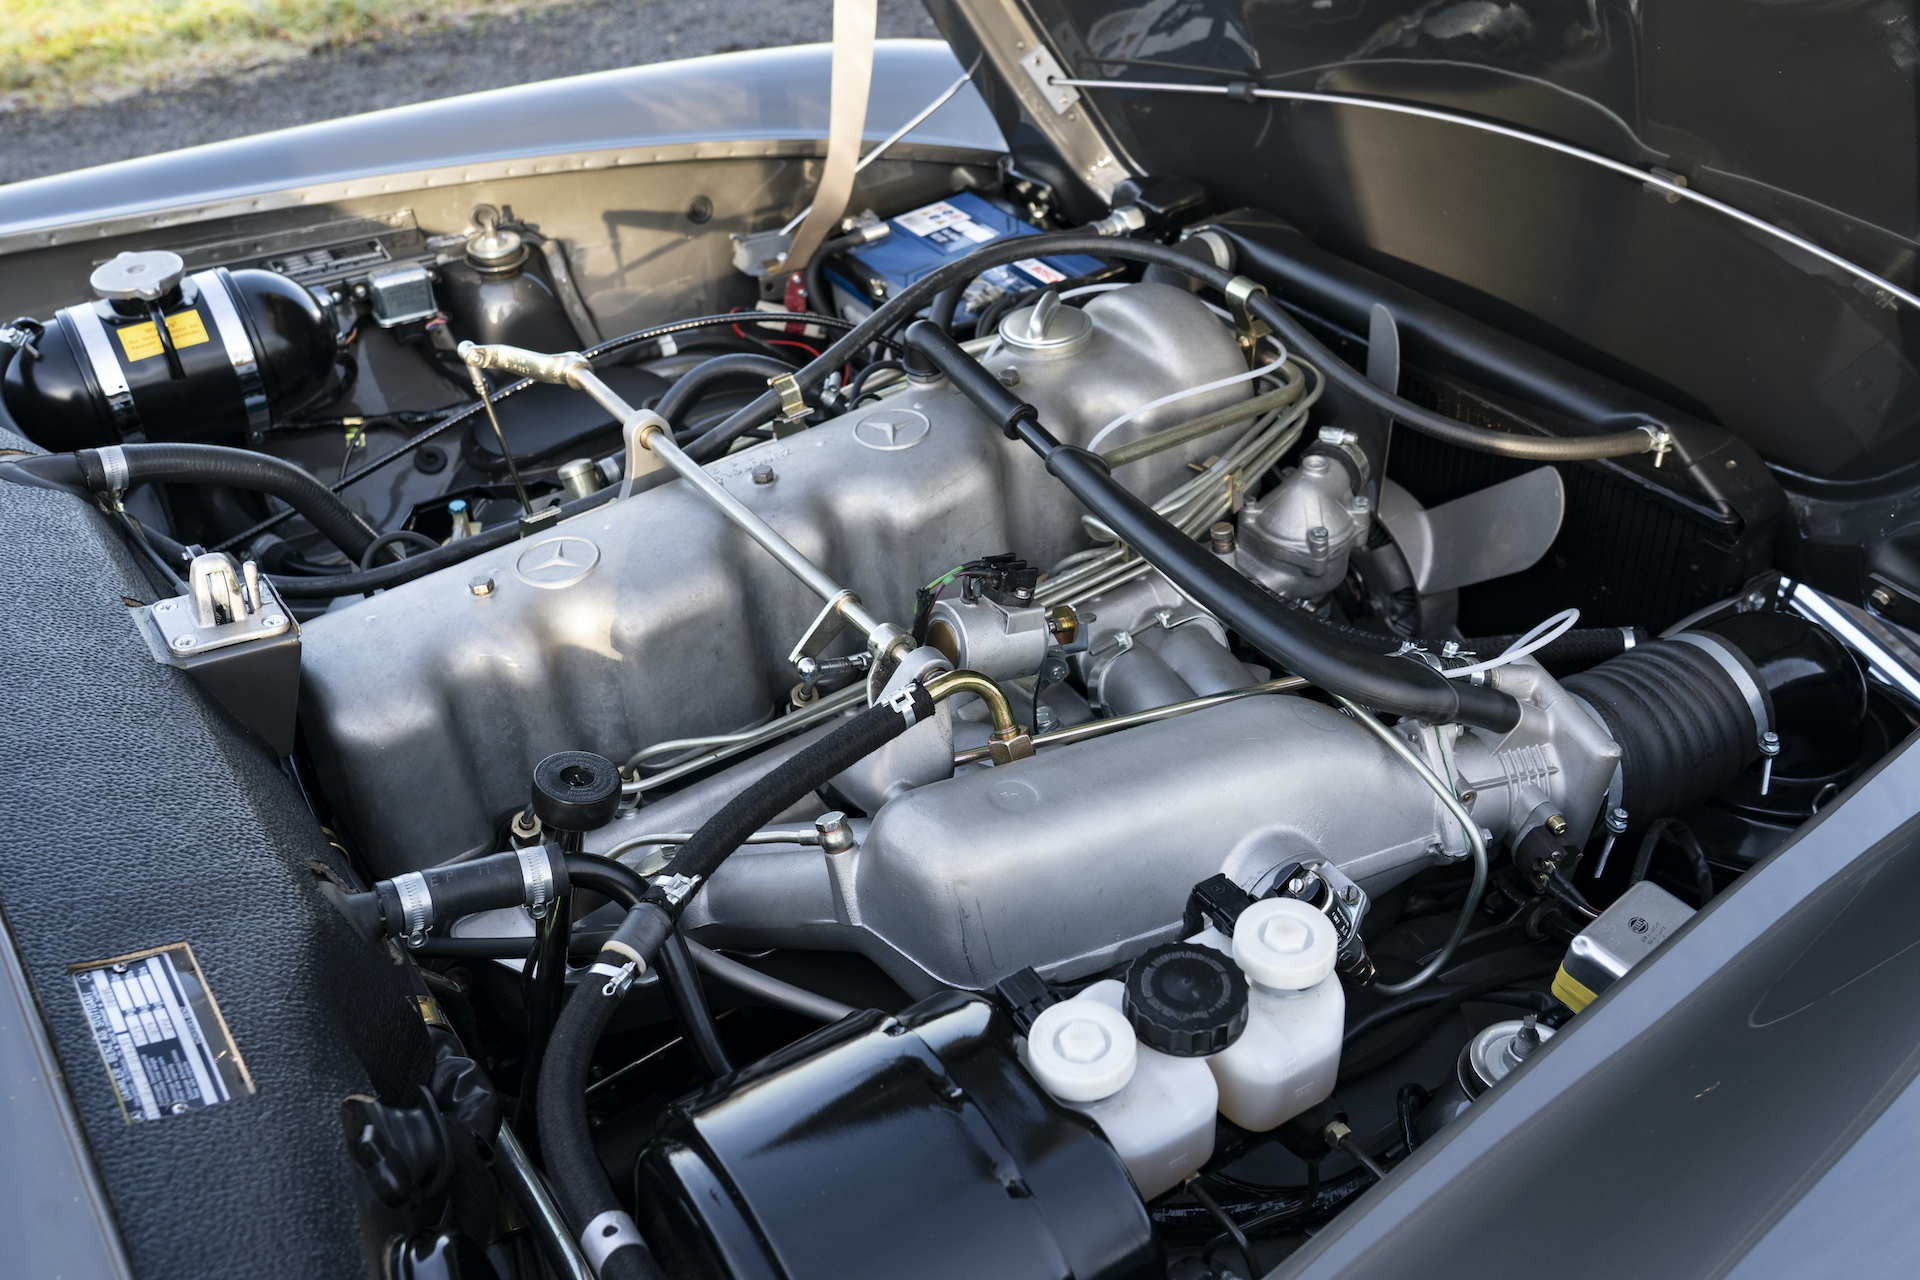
x=416 y=906
x=536 y=877
x=619 y=976
x=214 y=286
x=113 y=468
x=1248 y=327
x=1721 y=652
x=606 y=1234
x=676 y=889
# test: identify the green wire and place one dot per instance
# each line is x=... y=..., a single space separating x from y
x=944 y=578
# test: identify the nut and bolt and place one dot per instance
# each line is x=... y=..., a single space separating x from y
x=764 y=475
x=835 y=835
x=482 y=585
x=1222 y=535
x=1617 y=821
x=526 y=824
x=1009 y=376
x=1557 y=825
x=1882 y=597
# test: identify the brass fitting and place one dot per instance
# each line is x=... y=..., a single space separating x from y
x=1063 y=623
x=1010 y=740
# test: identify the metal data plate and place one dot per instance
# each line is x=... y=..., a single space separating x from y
x=165 y=1045
x=183 y=635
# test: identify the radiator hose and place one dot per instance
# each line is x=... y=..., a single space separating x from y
x=121 y=467
x=1295 y=641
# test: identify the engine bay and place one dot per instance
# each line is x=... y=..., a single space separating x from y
x=1025 y=746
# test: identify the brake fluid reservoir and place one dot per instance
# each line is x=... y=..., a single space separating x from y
x=1156 y=1109
x=1289 y=1055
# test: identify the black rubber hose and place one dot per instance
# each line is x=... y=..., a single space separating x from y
x=241 y=469
x=1355 y=1066
x=858 y=387
x=738 y=366
x=606 y=877
x=1427 y=997
x=819 y=292
x=566 y=1137
x=1586 y=647
x=945 y=304
x=385 y=540
x=1264 y=621
x=392 y=575
x=1685 y=727
x=899 y=309
x=1677 y=831
x=799 y=775
x=688 y=1000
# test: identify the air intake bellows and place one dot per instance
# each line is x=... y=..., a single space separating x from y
x=1688 y=714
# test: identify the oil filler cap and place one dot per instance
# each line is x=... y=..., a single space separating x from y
x=1185 y=1000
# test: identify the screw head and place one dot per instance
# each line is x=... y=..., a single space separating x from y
x=184 y=642
x=273 y=620
x=180 y=1108
x=1009 y=377
x=1352 y=895
x=1882 y=597
x=764 y=475
x=482 y=585
x=120 y=967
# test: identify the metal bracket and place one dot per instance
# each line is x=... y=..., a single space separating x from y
x=1043 y=69
x=793 y=406
x=222 y=607
x=641 y=460
x=831 y=620
x=1248 y=328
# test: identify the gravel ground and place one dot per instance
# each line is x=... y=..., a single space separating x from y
x=536 y=45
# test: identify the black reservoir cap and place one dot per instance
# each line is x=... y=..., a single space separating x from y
x=1186 y=1000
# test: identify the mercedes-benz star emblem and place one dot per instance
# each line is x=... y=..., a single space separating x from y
x=892 y=429
x=556 y=562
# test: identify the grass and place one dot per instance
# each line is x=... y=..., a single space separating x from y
x=56 y=53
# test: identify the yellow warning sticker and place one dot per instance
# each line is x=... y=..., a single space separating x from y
x=140 y=340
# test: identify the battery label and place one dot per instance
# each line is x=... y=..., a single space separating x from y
x=141 y=340
x=1040 y=271
x=165 y=1045
x=945 y=227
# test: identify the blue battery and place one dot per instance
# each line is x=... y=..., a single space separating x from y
x=924 y=238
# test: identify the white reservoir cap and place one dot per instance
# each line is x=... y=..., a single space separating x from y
x=1284 y=944
x=1081 y=1050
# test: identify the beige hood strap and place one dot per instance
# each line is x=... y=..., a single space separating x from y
x=854 y=23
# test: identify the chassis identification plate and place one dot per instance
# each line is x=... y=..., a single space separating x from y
x=164 y=1043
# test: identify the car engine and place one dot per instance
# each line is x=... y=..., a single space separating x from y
x=1183 y=757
